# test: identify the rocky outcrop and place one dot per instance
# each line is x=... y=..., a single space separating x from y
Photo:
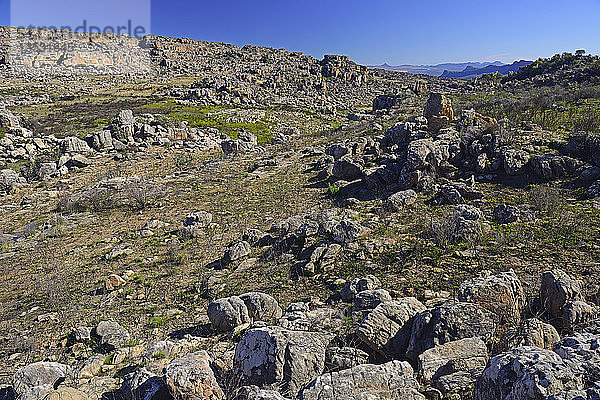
x=191 y=377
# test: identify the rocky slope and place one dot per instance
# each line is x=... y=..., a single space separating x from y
x=256 y=224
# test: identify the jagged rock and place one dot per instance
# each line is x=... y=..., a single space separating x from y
x=438 y=105
x=458 y=383
x=447 y=323
x=532 y=332
x=347 y=169
x=451 y=195
x=143 y=385
x=392 y=380
x=514 y=161
x=459 y=356
x=340 y=358
x=502 y=294
x=557 y=289
x=236 y=252
x=525 y=373
x=41 y=373
x=261 y=306
x=386 y=329
x=191 y=378
x=581 y=352
x=371 y=298
x=111 y=335
x=465 y=222
x=369 y=282
x=284 y=358
x=398 y=201
x=102 y=140
x=227 y=313
x=506 y=214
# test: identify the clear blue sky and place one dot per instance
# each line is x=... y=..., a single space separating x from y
x=377 y=31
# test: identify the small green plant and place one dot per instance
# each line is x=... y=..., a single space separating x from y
x=159 y=355
x=182 y=161
x=332 y=188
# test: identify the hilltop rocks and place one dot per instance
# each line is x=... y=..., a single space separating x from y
x=280 y=357
x=386 y=329
x=393 y=380
x=449 y=322
x=39 y=374
x=191 y=377
x=525 y=373
x=236 y=251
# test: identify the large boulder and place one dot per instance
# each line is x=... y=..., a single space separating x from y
x=255 y=393
x=392 y=380
x=502 y=294
x=110 y=335
x=191 y=378
x=557 y=289
x=525 y=373
x=227 y=313
x=447 y=323
x=386 y=329
x=280 y=357
x=461 y=355
x=347 y=168
x=41 y=373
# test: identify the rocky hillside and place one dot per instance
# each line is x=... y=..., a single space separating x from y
x=250 y=223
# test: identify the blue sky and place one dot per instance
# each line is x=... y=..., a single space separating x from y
x=375 y=31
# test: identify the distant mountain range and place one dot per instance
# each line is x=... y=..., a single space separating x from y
x=471 y=72
x=468 y=69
